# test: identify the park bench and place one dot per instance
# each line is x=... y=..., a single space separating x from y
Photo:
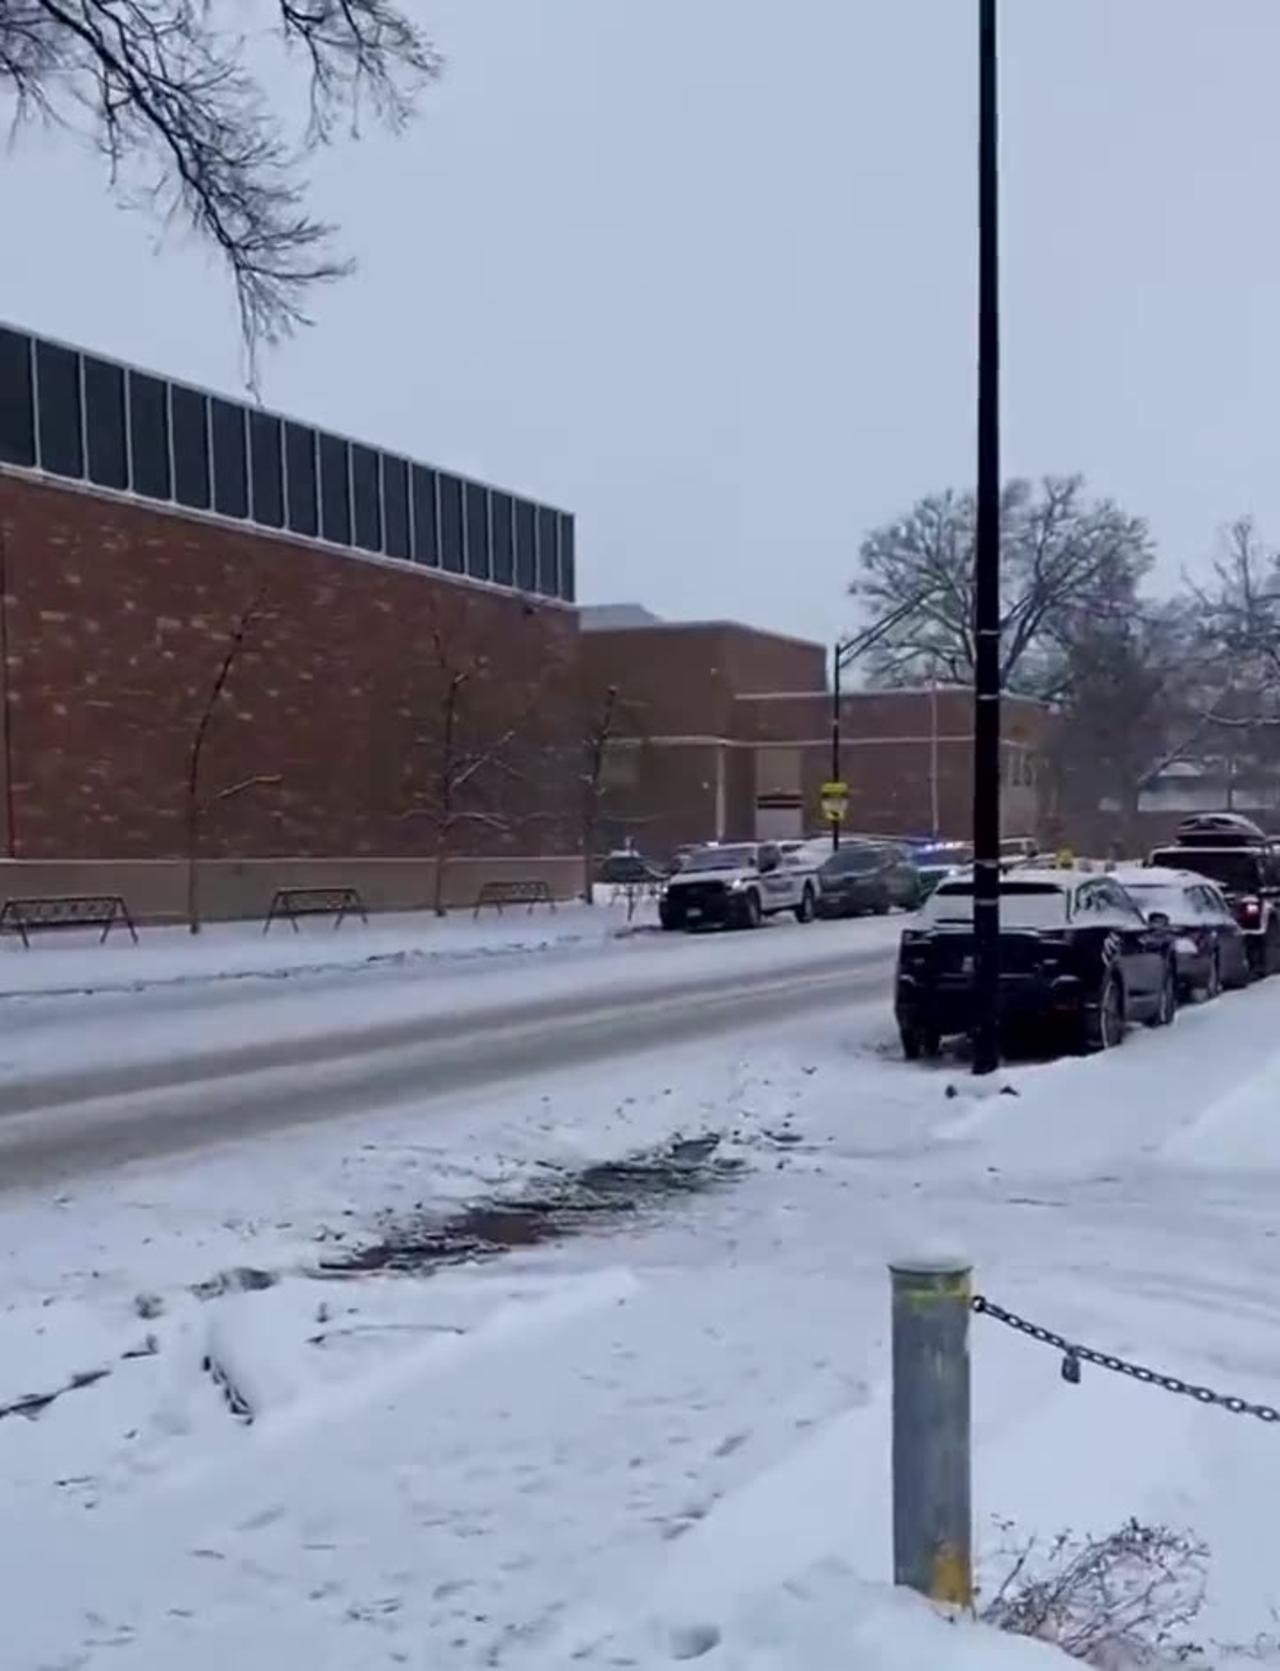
x=46 y=912
x=500 y=894
x=288 y=904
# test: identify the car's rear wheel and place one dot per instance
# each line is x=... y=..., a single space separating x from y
x=807 y=907
x=1167 y=1006
x=1104 y=1018
x=920 y=1044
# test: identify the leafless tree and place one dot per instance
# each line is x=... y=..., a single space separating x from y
x=1065 y=560
x=1239 y=612
x=468 y=742
x=1126 y=709
x=173 y=95
x=198 y=800
x=600 y=735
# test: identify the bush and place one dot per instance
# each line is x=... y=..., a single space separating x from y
x=1118 y=1602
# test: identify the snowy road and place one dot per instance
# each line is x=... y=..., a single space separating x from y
x=161 y=1073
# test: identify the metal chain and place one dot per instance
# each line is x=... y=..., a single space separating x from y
x=1073 y=1355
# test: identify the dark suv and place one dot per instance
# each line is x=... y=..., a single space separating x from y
x=1077 y=957
x=1233 y=852
x=868 y=877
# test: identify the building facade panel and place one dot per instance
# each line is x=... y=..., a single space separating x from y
x=116 y=620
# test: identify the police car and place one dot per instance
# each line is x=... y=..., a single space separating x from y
x=1077 y=956
x=737 y=885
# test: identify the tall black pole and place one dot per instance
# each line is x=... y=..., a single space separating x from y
x=986 y=718
x=835 y=735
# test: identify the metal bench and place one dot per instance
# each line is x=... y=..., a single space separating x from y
x=288 y=904
x=499 y=894
x=39 y=914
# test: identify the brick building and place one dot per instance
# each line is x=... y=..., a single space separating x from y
x=726 y=731
x=142 y=522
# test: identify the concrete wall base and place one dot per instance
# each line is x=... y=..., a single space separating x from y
x=237 y=889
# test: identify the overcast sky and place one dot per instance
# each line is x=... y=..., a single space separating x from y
x=703 y=272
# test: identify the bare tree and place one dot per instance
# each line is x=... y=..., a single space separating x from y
x=163 y=91
x=1065 y=561
x=468 y=744
x=1239 y=614
x=198 y=801
x=599 y=739
x=1125 y=711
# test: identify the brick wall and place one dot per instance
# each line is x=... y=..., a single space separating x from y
x=116 y=618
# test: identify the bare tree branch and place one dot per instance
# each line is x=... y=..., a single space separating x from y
x=162 y=90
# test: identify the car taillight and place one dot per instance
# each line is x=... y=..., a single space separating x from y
x=1251 y=908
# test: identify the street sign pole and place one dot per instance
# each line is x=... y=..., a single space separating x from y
x=986 y=722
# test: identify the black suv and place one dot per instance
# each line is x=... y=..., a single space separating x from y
x=1077 y=956
x=1233 y=852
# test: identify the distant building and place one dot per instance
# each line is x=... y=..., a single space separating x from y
x=725 y=733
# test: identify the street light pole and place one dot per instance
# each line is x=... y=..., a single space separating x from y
x=986 y=721
x=837 y=662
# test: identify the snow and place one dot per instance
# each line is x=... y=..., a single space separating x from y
x=662 y=1442
x=170 y=1002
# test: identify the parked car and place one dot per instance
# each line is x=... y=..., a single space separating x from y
x=943 y=859
x=1209 y=945
x=865 y=878
x=1233 y=853
x=1077 y=957
x=625 y=868
x=736 y=885
x=1018 y=850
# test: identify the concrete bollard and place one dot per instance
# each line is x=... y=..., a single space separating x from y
x=932 y=1525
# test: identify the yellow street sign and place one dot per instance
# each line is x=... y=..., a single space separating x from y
x=835 y=802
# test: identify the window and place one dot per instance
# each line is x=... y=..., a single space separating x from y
x=230 y=458
x=504 y=539
x=149 y=436
x=548 y=562
x=300 y=478
x=17 y=408
x=567 y=578
x=190 y=418
x=426 y=533
x=1022 y=905
x=266 y=475
x=366 y=498
x=104 y=423
x=395 y=506
x=478 y=559
x=335 y=490
x=451 y=548
x=58 y=408
x=526 y=547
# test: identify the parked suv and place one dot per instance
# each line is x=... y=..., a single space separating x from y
x=1076 y=955
x=1233 y=852
x=866 y=877
x=736 y=885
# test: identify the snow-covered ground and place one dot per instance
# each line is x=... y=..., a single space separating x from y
x=666 y=1440
x=72 y=962
x=74 y=1005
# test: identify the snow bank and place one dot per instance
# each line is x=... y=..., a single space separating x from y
x=76 y=963
x=823 y=1619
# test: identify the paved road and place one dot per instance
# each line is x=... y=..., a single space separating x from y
x=58 y=1127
